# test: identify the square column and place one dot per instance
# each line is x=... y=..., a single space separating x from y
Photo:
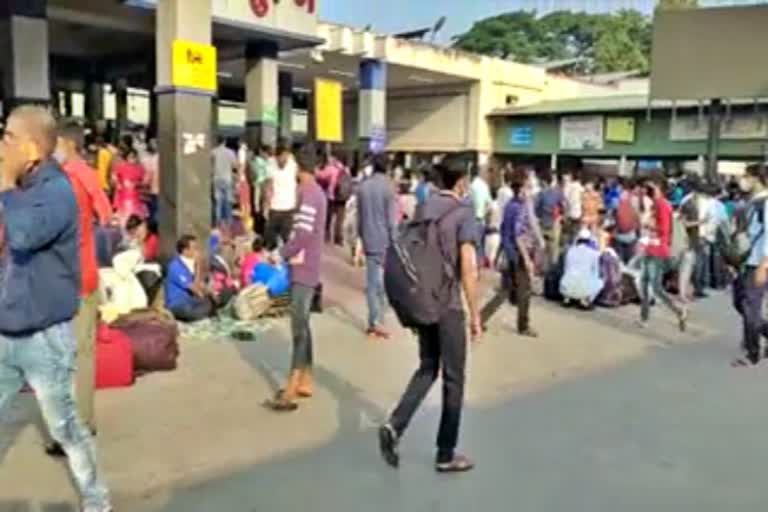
x=184 y=121
x=372 y=118
x=121 y=106
x=94 y=102
x=285 y=91
x=261 y=94
x=24 y=39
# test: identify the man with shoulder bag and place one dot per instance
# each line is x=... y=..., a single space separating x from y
x=747 y=252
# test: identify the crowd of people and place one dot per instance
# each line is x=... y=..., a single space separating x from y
x=79 y=243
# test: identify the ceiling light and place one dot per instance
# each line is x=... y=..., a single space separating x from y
x=339 y=72
x=291 y=65
x=224 y=74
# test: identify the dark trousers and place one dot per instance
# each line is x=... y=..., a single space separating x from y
x=703 y=271
x=334 y=224
x=748 y=301
x=279 y=227
x=194 y=309
x=301 y=303
x=442 y=345
x=519 y=283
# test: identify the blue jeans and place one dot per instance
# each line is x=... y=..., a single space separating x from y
x=301 y=304
x=374 y=289
x=222 y=197
x=46 y=361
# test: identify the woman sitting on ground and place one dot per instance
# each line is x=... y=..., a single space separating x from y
x=581 y=280
x=250 y=260
x=140 y=237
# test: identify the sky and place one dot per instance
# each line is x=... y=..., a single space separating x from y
x=390 y=16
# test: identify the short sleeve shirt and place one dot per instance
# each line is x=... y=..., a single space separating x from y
x=456 y=229
x=224 y=161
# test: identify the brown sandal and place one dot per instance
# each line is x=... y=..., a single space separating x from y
x=281 y=404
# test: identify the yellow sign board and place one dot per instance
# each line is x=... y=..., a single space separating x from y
x=328 y=115
x=194 y=66
x=620 y=129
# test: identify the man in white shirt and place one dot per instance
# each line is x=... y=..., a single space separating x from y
x=225 y=164
x=480 y=193
x=707 y=231
x=282 y=188
x=573 y=191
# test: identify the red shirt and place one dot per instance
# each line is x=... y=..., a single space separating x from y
x=151 y=248
x=660 y=245
x=89 y=267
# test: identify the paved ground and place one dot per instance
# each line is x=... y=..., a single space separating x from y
x=594 y=416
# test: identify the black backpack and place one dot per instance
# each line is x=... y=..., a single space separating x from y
x=344 y=186
x=736 y=247
x=418 y=277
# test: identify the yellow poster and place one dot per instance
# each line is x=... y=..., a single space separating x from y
x=328 y=117
x=620 y=129
x=194 y=66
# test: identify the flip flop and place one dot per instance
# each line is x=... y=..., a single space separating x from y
x=280 y=404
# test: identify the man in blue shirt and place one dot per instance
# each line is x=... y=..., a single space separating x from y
x=549 y=208
x=185 y=295
x=749 y=287
x=40 y=290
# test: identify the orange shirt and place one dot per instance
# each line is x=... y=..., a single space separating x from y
x=84 y=185
x=591 y=203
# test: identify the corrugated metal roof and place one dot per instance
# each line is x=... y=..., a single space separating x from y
x=598 y=104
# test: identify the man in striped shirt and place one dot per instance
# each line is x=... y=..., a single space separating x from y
x=303 y=252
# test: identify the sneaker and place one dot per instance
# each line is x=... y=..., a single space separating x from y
x=388 y=445
x=55 y=450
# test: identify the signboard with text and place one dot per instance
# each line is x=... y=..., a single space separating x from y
x=194 y=66
x=581 y=132
x=620 y=129
x=297 y=16
x=521 y=136
x=739 y=126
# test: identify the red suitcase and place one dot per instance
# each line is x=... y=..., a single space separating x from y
x=114 y=359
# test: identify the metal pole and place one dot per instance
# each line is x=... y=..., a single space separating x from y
x=713 y=139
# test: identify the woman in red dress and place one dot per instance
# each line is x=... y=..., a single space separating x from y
x=128 y=180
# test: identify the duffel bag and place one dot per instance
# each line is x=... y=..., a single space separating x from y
x=252 y=302
x=154 y=340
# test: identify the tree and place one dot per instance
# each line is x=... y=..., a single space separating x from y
x=605 y=42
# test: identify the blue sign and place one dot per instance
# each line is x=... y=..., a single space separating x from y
x=521 y=136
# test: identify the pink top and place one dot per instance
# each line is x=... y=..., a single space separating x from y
x=246 y=267
x=328 y=177
x=129 y=177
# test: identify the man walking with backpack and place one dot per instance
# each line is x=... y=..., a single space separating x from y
x=426 y=295
x=749 y=288
x=627 y=226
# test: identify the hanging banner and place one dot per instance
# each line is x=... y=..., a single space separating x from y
x=194 y=66
x=620 y=129
x=328 y=116
x=581 y=132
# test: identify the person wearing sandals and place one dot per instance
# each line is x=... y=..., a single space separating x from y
x=443 y=345
x=750 y=285
x=658 y=252
x=303 y=252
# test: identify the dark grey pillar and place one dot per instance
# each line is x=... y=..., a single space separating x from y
x=261 y=96
x=67 y=103
x=184 y=129
x=285 y=107
x=24 y=64
x=121 y=106
x=94 y=102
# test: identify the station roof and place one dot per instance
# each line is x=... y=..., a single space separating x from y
x=597 y=104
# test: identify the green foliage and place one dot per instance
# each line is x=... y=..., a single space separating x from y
x=603 y=42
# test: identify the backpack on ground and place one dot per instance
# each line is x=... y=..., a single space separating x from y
x=252 y=302
x=736 y=247
x=344 y=186
x=418 y=277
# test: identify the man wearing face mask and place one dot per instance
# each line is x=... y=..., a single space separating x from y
x=749 y=287
x=39 y=294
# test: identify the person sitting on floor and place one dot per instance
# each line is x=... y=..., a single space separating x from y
x=140 y=237
x=250 y=260
x=185 y=294
x=581 y=280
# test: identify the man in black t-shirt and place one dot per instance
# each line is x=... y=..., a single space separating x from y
x=443 y=345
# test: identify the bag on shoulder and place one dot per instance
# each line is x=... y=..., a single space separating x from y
x=417 y=275
x=627 y=219
x=736 y=247
x=344 y=186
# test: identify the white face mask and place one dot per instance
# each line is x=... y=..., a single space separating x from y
x=60 y=156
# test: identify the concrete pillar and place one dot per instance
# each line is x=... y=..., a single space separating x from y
x=215 y=117
x=553 y=162
x=94 y=102
x=623 y=166
x=285 y=106
x=184 y=122
x=24 y=65
x=372 y=118
x=67 y=103
x=261 y=94
x=121 y=106
x=152 y=128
